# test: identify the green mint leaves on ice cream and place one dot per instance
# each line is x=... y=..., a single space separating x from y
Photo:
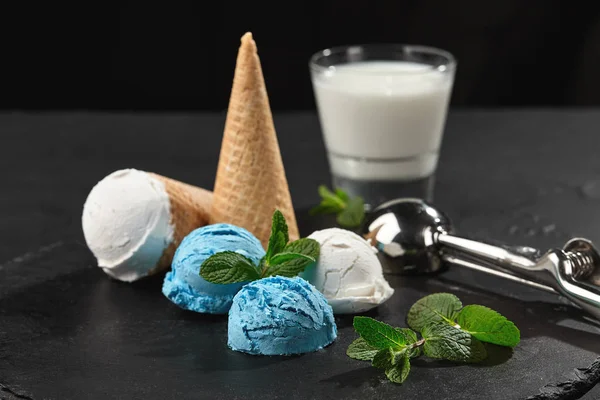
x=228 y=267
x=283 y=258
x=279 y=235
x=350 y=211
x=186 y=288
x=294 y=258
x=448 y=331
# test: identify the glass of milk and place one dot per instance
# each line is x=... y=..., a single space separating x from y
x=382 y=110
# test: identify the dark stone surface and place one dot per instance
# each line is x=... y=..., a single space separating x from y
x=67 y=331
x=582 y=382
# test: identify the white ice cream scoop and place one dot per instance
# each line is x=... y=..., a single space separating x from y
x=134 y=220
x=348 y=272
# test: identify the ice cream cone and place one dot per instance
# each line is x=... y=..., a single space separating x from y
x=134 y=220
x=251 y=182
x=190 y=209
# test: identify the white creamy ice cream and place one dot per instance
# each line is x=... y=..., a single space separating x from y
x=348 y=272
x=126 y=223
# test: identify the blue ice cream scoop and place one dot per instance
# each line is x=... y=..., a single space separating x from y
x=184 y=286
x=280 y=316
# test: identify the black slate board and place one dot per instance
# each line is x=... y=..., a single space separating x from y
x=95 y=337
x=67 y=331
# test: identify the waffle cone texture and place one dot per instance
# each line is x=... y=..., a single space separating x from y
x=190 y=209
x=251 y=182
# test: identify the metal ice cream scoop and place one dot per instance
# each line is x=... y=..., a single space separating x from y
x=412 y=237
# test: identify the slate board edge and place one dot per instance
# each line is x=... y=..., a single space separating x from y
x=585 y=379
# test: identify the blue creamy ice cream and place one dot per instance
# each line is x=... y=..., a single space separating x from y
x=184 y=286
x=280 y=316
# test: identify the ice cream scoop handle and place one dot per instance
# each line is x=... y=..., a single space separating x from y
x=497 y=255
x=555 y=271
x=478 y=266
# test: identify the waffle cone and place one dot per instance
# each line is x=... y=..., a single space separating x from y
x=251 y=182
x=190 y=208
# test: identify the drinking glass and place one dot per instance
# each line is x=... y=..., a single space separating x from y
x=382 y=110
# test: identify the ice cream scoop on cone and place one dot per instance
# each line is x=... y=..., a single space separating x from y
x=251 y=182
x=134 y=220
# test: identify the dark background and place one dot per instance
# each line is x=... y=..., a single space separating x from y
x=181 y=55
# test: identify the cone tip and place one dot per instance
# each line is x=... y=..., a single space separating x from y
x=248 y=41
x=247 y=36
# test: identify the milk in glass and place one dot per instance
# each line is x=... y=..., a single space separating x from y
x=382 y=121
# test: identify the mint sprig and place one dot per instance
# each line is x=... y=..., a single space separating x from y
x=481 y=322
x=378 y=334
x=448 y=331
x=398 y=372
x=294 y=258
x=281 y=258
x=387 y=348
x=361 y=350
x=411 y=338
x=488 y=325
x=350 y=211
x=446 y=342
x=228 y=267
x=279 y=235
x=436 y=307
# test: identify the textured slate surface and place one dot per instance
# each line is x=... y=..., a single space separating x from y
x=69 y=332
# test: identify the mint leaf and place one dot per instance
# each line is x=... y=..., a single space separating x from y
x=288 y=264
x=228 y=267
x=409 y=335
x=411 y=338
x=307 y=252
x=350 y=210
x=433 y=308
x=305 y=246
x=378 y=334
x=361 y=350
x=488 y=325
x=331 y=203
x=446 y=342
x=325 y=208
x=280 y=258
x=415 y=352
x=395 y=364
x=399 y=371
x=325 y=193
x=342 y=195
x=384 y=359
x=353 y=214
x=279 y=235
